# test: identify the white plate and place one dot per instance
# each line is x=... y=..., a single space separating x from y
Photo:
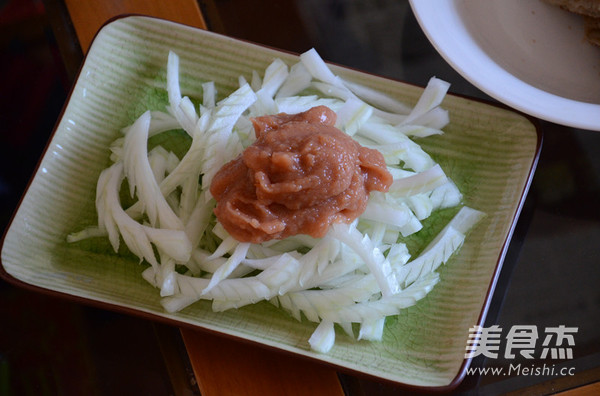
x=525 y=53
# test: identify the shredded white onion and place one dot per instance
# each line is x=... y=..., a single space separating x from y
x=358 y=273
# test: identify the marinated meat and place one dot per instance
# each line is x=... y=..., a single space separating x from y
x=301 y=175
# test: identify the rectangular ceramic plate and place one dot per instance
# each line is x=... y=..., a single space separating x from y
x=489 y=152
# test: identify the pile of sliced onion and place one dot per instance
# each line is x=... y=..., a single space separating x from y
x=358 y=273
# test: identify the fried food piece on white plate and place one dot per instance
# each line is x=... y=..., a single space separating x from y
x=590 y=9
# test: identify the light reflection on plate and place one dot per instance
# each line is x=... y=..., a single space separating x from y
x=525 y=53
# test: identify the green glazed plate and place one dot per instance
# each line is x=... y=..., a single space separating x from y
x=488 y=151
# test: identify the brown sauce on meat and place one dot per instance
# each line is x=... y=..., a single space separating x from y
x=300 y=176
